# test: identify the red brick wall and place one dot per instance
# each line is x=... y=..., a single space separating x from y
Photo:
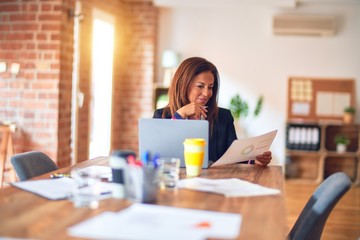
x=134 y=86
x=37 y=35
x=134 y=58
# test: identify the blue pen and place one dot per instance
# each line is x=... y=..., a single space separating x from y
x=145 y=158
x=155 y=160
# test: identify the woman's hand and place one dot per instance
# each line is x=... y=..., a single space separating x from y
x=192 y=111
x=264 y=159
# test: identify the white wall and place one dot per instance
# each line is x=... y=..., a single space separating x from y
x=253 y=62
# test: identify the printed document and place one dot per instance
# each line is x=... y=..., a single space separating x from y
x=246 y=149
x=230 y=187
x=152 y=222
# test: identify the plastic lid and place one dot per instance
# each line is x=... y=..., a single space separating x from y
x=195 y=141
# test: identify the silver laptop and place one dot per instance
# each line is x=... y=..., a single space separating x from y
x=166 y=136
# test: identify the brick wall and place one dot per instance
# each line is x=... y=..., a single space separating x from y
x=134 y=59
x=38 y=35
x=134 y=91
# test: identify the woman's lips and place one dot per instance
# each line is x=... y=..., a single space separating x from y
x=202 y=101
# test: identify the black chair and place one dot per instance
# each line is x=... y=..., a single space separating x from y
x=312 y=219
x=31 y=164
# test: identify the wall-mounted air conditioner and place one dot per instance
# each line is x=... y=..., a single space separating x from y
x=304 y=25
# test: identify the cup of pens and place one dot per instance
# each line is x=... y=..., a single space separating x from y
x=141 y=183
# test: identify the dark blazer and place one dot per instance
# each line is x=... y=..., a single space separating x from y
x=222 y=136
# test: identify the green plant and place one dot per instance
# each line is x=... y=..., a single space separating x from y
x=341 y=139
x=240 y=108
x=349 y=109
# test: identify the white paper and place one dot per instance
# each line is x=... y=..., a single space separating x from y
x=54 y=189
x=246 y=149
x=300 y=108
x=341 y=101
x=152 y=222
x=231 y=187
x=101 y=171
x=332 y=103
x=58 y=188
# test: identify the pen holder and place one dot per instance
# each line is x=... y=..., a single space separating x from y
x=141 y=184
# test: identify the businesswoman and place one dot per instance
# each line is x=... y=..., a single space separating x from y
x=193 y=94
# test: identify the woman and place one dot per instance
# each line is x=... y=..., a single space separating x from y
x=193 y=94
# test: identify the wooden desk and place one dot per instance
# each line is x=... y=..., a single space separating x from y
x=23 y=214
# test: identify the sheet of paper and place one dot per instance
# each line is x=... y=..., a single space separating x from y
x=54 y=189
x=58 y=188
x=152 y=222
x=246 y=149
x=231 y=187
x=102 y=171
x=301 y=108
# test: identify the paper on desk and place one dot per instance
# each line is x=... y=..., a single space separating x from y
x=101 y=171
x=56 y=189
x=231 y=187
x=246 y=149
x=152 y=222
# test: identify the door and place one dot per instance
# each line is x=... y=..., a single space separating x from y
x=101 y=84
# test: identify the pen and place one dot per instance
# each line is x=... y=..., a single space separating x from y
x=145 y=158
x=60 y=175
x=155 y=160
x=203 y=117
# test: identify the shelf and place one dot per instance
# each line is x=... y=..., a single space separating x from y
x=302 y=153
x=314 y=166
x=303 y=167
x=351 y=131
x=347 y=165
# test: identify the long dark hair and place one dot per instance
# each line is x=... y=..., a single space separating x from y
x=184 y=75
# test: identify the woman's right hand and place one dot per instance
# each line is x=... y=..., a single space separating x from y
x=192 y=111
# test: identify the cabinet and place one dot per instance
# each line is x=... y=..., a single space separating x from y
x=311 y=151
x=314 y=118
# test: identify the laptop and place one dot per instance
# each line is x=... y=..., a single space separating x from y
x=166 y=137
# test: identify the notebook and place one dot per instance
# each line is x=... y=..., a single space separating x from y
x=166 y=136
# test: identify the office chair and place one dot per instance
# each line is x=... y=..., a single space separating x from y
x=313 y=217
x=31 y=164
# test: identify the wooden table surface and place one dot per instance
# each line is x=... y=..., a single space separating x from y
x=25 y=215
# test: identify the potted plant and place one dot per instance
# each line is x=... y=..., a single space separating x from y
x=240 y=110
x=349 y=113
x=341 y=142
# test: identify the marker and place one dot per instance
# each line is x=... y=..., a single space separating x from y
x=145 y=158
x=155 y=160
x=60 y=175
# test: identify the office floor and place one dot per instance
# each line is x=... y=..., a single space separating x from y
x=344 y=221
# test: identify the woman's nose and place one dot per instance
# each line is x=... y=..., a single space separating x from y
x=205 y=92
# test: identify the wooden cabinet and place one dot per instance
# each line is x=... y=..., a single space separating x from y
x=311 y=151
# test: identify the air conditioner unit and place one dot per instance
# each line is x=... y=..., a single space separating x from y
x=304 y=25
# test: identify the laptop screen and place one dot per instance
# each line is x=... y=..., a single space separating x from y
x=166 y=137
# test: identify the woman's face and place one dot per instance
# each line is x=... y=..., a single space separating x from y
x=201 y=88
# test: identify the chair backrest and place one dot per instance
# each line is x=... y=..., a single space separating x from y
x=313 y=217
x=31 y=164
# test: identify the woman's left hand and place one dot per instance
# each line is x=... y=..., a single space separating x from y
x=264 y=159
